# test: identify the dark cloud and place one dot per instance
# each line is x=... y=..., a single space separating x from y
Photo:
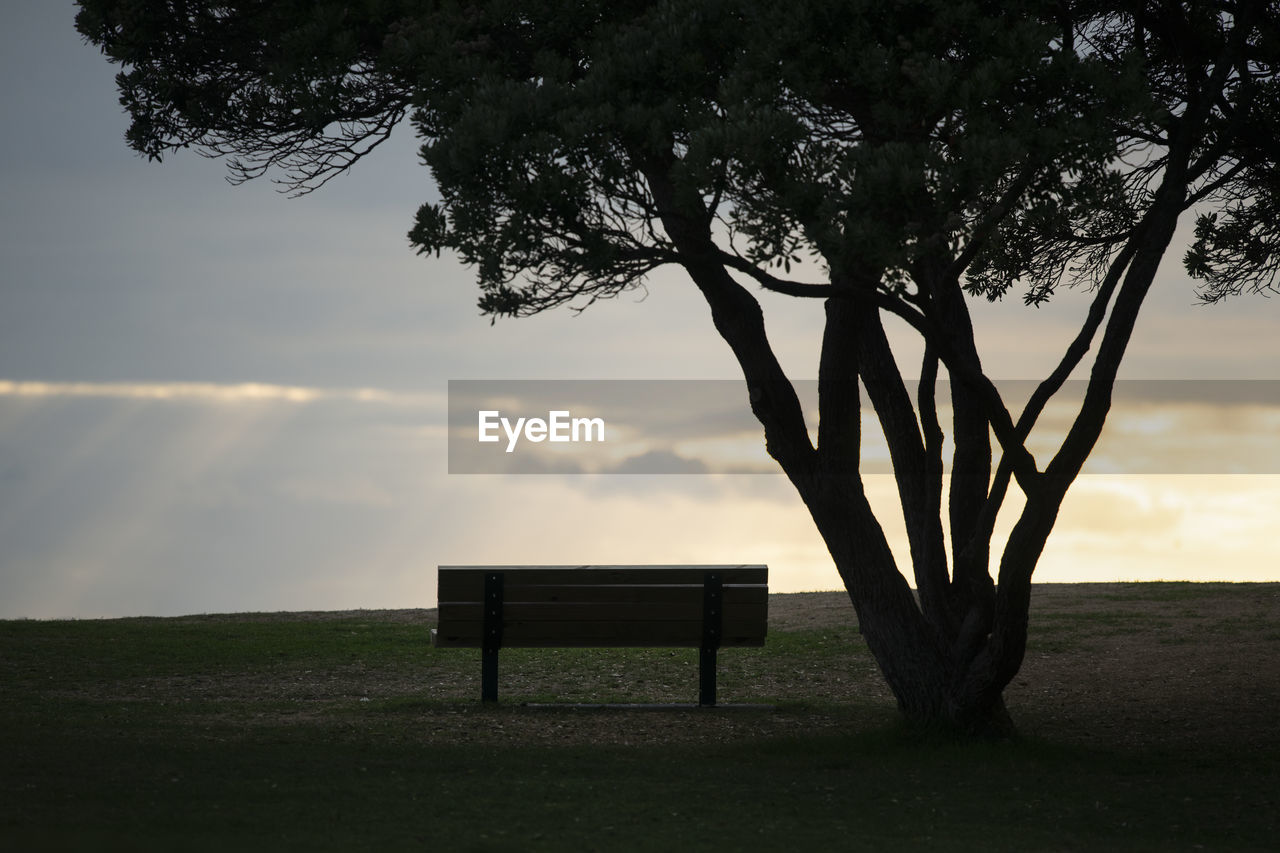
x=659 y=462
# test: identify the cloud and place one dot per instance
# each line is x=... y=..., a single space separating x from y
x=659 y=462
x=202 y=391
x=1165 y=527
x=209 y=392
x=167 y=499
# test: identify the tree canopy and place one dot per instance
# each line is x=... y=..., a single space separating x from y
x=893 y=159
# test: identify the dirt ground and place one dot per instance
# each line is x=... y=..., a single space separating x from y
x=1147 y=664
x=1111 y=664
x=1130 y=662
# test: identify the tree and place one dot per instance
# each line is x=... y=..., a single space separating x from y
x=903 y=157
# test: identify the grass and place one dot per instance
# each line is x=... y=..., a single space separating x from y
x=250 y=733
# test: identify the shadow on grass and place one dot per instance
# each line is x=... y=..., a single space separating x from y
x=350 y=735
x=348 y=787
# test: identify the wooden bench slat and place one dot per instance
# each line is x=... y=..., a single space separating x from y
x=749 y=572
x=517 y=634
x=462 y=583
x=658 y=596
x=626 y=611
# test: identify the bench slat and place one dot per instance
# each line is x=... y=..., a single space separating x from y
x=658 y=596
x=466 y=583
x=747 y=572
x=747 y=608
x=517 y=634
x=674 y=595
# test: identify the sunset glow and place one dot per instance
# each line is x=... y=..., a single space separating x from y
x=216 y=398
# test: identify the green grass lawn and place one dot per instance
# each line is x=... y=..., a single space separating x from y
x=251 y=733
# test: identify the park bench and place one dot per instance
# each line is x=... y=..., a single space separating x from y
x=703 y=607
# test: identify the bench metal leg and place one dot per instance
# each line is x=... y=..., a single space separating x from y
x=707 y=676
x=712 y=621
x=489 y=676
x=494 y=588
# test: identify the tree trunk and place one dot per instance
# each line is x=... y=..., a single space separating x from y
x=937 y=688
x=937 y=660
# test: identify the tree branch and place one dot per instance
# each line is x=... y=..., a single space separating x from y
x=990 y=222
x=740 y=321
x=1043 y=393
x=775 y=284
x=911 y=464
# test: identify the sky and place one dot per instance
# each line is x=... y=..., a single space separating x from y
x=218 y=398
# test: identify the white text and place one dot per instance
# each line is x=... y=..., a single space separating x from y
x=559 y=426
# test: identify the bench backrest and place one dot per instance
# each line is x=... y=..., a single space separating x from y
x=603 y=605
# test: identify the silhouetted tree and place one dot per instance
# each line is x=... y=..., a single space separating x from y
x=892 y=159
